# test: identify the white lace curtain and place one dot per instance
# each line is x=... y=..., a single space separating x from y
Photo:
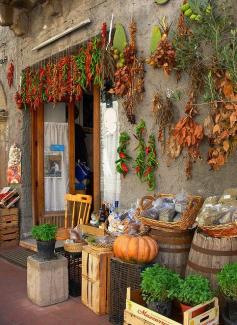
x=110 y=179
x=56 y=187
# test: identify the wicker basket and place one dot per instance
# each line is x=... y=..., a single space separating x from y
x=186 y=221
x=144 y=231
x=99 y=247
x=74 y=247
x=219 y=231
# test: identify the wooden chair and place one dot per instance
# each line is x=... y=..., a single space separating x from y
x=81 y=206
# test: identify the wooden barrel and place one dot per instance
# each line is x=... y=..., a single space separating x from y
x=208 y=255
x=174 y=247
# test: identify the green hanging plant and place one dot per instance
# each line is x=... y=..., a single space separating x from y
x=151 y=164
x=124 y=158
x=140 y=161
x=120 y=39
x=155 y=38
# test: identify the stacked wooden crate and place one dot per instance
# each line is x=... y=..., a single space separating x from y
x=9 y=227
x=95 y=279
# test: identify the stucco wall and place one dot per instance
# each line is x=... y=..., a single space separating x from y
x=146 y=13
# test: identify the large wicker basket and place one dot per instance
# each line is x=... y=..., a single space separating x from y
x=145 y=231
x=186 y=221
x=219 y=231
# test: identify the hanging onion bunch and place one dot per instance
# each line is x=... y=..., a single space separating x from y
x=129 y=79
x=164 y=56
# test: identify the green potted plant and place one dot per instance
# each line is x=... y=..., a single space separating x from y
x=45 y=236
x=227 y=281
x=192 y=291
x=156 y=284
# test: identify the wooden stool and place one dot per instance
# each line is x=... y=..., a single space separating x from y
x=47 y=281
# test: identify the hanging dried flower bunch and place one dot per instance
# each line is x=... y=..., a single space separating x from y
x=163 y=114
x=129 y=79
x=107 y=62
x=187 y=134
x=223 y=135
x=164 y=56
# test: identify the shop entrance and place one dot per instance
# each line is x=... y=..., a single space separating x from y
x=65 y=155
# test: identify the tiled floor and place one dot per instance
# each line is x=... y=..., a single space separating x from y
x=16 y=309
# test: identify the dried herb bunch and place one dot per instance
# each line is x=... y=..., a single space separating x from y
x=164 y=55
x=223 y=132
x=129 y=79
x=163 y=114
x=107 y=60
x=188 y=134
x=205 y=24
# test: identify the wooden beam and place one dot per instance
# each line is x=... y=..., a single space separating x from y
x=71 y=146
x=33 y=115
x=40 y=162
x=96 y=148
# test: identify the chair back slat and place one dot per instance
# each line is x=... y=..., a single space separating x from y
x=82 y=204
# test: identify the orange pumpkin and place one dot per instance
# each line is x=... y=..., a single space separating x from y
x=136 y=249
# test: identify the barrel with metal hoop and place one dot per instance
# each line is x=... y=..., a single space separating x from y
x=209 y=254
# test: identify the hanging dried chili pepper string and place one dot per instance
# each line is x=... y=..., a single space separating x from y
x=10 y=74
x=151 y=163
x=124 y=158
x=140 y=161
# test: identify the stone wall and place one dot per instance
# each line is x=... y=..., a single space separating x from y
x=146 y=13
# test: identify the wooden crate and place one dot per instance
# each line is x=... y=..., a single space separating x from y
x=136 y=314
x=9 y=236
x=95 y=280
x=8 y=218
x=92 y=230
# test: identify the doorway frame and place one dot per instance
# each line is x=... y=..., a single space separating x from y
x=37 y=158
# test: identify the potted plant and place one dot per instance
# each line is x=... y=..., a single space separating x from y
x=227 y=281
x=156 y=284
x=45 y=236
x=192 y=291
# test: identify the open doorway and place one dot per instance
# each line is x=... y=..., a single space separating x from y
x=65 y=155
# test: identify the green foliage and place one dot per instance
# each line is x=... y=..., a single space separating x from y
x=227 y=280
x=192 y=291
x=140 y=161
x=157 y=282
x=228 y=56
x=120 y=39
x=44 y=232
x=187 y=49
x=155 y=38
x=210 y=93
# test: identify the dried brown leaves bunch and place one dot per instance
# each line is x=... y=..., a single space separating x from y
x=164 y=55
x=187 y=134
x=129 y=80
x=223 y=135
x=163 y=114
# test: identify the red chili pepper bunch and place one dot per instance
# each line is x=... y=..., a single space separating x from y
x=124 y=158
x=145 y=163
x=10 y=74
x=62 y=80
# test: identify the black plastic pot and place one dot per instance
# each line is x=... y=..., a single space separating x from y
x=229 y=313
x=162 y=307
x=46 y=249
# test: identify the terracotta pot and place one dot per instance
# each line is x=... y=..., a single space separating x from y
x=197 y=312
